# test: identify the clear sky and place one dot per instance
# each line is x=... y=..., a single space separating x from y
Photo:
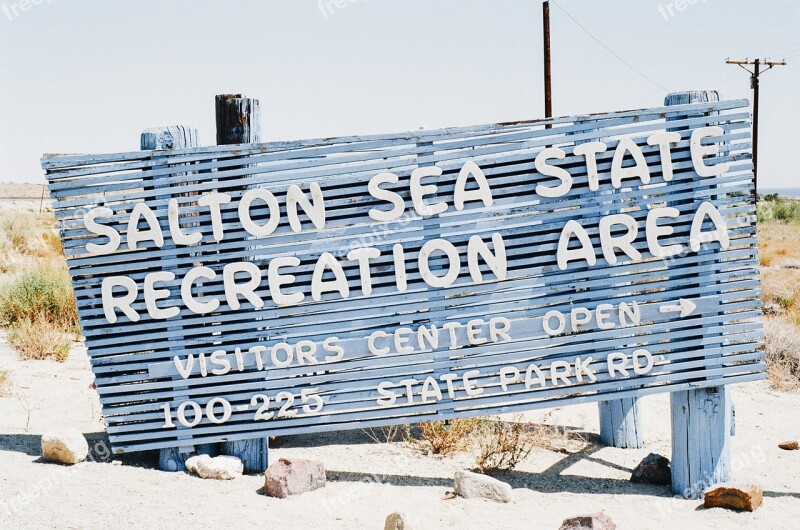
x=89 y=76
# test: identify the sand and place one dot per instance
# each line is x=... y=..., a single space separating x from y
x=16 y=197
x=367 y=481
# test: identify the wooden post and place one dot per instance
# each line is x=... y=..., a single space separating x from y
x=620 y=423
x=548 y=91
x=620 y=419
x=702 y=419
x=239 y=122
x=157 y=139
x=701 y=431
x=238 y=119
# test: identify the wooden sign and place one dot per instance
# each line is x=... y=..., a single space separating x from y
x=231 y=292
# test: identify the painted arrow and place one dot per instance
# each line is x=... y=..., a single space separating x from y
x=684 y=307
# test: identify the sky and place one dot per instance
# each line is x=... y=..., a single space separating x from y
x=80 y=76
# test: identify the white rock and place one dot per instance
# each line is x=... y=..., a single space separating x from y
x=474 y=485
x=64 y=447
x=397 y=521
x=219 y=467
x=192 y=461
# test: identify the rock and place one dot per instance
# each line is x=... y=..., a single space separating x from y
x=739 y=497
x=592 y=521
x=192 y=461
x=397 y=521
x=475 y=485
x=293 y=477
x=217 y=468
x=790 y=446
x=653 y=469
x=64 y=447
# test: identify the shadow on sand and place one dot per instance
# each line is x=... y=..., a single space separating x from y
x=99 y=449
x=551 y=480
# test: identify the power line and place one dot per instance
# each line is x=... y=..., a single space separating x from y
x=609 y=50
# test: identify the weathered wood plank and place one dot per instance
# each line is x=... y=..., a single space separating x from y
x=50 y=162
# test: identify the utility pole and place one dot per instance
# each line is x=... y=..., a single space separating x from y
x=548 y=95
x=757 y=64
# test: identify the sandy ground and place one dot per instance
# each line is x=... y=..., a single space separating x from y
x=367 y=481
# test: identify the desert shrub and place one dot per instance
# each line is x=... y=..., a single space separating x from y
x=786 y=211
x=18 y=230
x=778 y=243
x=783 y=353
x=442 y=438
x=52 y=243
x=38 y=338
x=44 y=293
x=5 y=383
x=766 y=258
x=764 y=212
x=778 y=210
x=780 y=292
x=26 y=238
x=503 y=445
x=30 y=234
x=385 y=435
x=787 y=302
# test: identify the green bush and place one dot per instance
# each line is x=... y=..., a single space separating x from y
x=43 y=293
x=764 y=212
x=787 y=211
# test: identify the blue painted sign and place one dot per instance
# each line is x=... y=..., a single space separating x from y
x=232 y=292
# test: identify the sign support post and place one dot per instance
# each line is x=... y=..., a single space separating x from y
x=164 y=139
x=701 y=418
x=620 y=424
x=238 y=121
